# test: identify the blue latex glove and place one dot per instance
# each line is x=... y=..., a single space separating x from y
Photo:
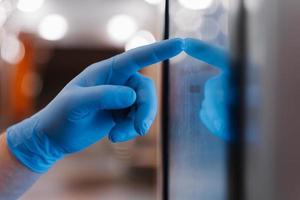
x=107 y=98
x=214 y=110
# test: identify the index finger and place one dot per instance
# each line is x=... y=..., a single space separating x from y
x=208 y=53
x=133 y=60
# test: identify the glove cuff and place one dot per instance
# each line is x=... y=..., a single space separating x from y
x=31 y=147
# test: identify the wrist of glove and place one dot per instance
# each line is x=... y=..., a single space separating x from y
x=32 y=147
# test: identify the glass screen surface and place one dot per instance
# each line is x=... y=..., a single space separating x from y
x=198 y=156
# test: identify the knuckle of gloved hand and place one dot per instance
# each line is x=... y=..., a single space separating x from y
x=124 y=96
x=69 y=99
x=148 y=81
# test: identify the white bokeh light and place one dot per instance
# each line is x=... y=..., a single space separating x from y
x=196 y=4
x=225 y=4
x=53 y=27
x=155 y=2
x=8 y=6
x=141 y=38
x=29 y=5
x=121 y=27
x=12 y=50
x=3 y=16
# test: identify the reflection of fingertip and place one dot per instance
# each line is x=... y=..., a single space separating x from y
x=183 y=44
x=180 y=43
x=176 y=39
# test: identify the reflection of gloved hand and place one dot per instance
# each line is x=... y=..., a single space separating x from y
x=107 y=98
x=214 y=111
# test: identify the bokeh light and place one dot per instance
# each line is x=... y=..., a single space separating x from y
x=121 y=27
x=196 y=4
x=155 y=2
x=225 y=4
x=3 y=16
x=29 y=5
x=141 y=38
x=32 y=84
x=8 y=6
x=12 y=50
x=53 y=27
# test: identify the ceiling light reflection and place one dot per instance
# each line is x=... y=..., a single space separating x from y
x=53 y=27
x=12 y=50
x=155 y=2
x=3 y=16
x=121 y=27
x=225 y=4
x=29 y=5
x=196 y=4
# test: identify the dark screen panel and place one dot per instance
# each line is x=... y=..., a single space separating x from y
x=273 y=100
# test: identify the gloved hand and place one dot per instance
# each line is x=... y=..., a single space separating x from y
x=107 y=98
x=214 y=110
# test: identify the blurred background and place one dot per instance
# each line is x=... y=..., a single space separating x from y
x=44 y=44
